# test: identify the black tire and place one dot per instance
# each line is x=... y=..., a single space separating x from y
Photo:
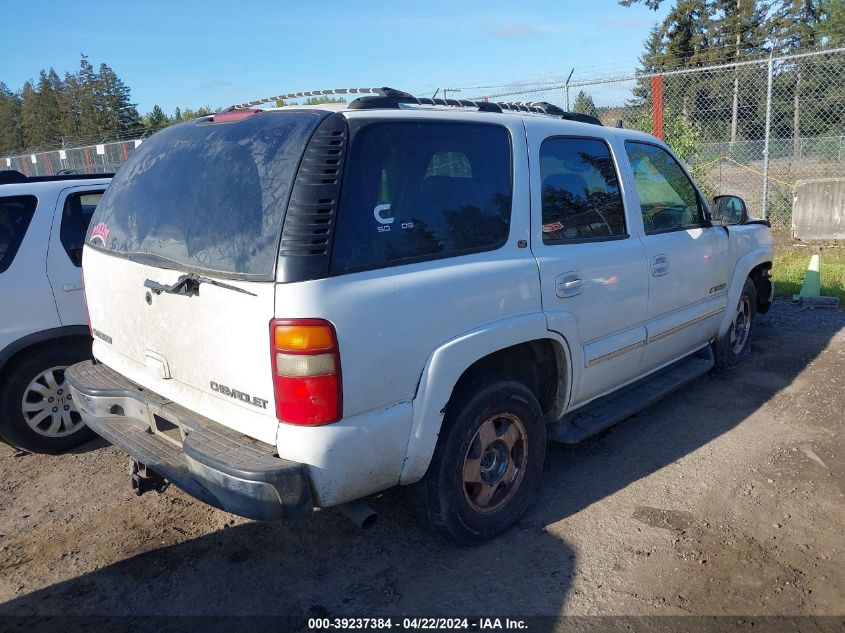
x=727 y=349
x=449 y=506
x=14 y=428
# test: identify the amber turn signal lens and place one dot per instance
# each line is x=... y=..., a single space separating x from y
x=303 y=338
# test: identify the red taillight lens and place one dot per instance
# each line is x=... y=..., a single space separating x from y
x=306 y=371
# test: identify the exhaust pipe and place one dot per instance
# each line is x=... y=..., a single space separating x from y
x=360 y=513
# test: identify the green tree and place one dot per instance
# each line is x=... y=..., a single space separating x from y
x=156 y=119
x=40 y=112
x=116 y=113
x=86 y=100
x=11 y=131
x=585 y=105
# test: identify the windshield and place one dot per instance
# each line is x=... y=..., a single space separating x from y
x=207 y=196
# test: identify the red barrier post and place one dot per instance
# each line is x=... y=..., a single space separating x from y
x=657 y=106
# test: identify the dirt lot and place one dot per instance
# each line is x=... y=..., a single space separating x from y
x=725 y=498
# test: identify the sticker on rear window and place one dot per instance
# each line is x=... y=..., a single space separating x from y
x=100 y=232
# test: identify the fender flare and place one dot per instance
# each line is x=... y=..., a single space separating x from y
x=44 y=336
x=743 y=268
x=446 y=365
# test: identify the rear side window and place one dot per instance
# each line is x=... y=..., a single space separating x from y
x=580 y=191
x=207 y=196
x=417 y=190
x=15 y=215
x=76 y=215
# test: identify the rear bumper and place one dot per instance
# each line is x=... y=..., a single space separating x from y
x=209 y=461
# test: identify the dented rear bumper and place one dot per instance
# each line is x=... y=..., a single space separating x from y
x=209 y=461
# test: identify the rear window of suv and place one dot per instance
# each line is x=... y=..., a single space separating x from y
x=206 y=196
x=15 y=215
x=419 y=190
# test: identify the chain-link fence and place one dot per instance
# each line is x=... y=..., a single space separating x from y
x=752 y=128
x=99 y=158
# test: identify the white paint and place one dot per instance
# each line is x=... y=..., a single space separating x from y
x=407 y=333
x=42 y=279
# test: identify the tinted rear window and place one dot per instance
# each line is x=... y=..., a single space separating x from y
x=416 y=190
x=15 y=215
x=207 y=196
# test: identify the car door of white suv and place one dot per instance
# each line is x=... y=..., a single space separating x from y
x=64 y=256
x=686 y=256
x=593 y=273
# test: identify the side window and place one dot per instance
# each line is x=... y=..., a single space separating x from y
x=580 y=191
x=15 y=215
x=668 y=200
x=78 y=209
x=416 y=190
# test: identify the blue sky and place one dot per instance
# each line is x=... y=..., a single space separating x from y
x=187 y=53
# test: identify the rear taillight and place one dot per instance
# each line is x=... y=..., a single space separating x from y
x=306 y=371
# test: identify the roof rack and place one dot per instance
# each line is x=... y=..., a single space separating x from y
x=392 y=98
x=11 y=177
x=318 y=93
x=397 y=98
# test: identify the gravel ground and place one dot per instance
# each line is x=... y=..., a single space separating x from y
x=725 y=498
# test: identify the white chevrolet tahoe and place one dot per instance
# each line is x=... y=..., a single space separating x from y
x=302 y=306
x=43 y=225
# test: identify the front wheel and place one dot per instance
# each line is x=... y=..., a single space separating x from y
x=735 y=346
x=486 y=465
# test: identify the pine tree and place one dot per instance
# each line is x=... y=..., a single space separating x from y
x=585 y=105
x=40 y=113
x=11 y=132
x=86 y=79
x=156 y=119
x=117 y=113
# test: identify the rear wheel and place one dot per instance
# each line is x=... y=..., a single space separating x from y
x=735 y=346
x=486 y=465
x=37 y=411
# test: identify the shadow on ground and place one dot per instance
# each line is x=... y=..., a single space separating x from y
x=324 y=567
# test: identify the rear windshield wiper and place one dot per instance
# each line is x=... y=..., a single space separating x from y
x=189 y=285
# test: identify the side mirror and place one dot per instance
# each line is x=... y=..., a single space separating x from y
x=729 y=210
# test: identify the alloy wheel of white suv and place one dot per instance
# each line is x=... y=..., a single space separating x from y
x=36 y=409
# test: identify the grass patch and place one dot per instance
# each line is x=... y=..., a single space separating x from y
x=792 y=259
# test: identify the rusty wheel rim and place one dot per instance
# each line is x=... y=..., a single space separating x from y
x=494 y=463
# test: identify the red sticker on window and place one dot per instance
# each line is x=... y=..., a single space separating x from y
x=100 y=232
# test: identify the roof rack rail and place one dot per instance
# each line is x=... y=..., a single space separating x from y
x=384 y=92
x=392 y=98
x=536 y=107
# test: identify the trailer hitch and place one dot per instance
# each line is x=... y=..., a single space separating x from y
x=145 y=479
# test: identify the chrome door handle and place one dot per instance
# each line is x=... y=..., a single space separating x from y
x=72 y=287
x=568 y=285
x=659 y=265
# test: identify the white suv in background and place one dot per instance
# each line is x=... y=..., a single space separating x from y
x=43 y=221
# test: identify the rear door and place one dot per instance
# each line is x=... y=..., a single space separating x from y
x=74 y=210
x=208 y=199
x=592 y=267
x=685 y=255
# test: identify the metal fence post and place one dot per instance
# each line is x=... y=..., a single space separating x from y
x=766 y=140
x=566 y=91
